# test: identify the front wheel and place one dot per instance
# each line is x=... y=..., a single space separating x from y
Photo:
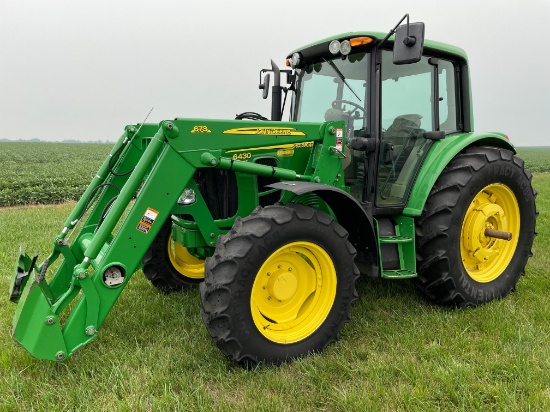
x=279 y=285
x=483 y=192
x=169 y=266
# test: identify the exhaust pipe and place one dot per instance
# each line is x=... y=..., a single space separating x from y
x=276 y=93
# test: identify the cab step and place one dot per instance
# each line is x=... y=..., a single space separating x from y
x=404 y=241
x=395 y=239
x=398 y=274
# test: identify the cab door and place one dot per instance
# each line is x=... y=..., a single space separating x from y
x=415 y=98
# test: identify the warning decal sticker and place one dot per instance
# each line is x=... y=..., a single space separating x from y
x=147 y=220
x=339 y=136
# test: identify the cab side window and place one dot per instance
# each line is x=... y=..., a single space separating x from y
x=406 y=90
x=408 y=111
x=448 y=98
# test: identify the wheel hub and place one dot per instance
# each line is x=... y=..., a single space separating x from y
x=283 y=286
x=485 y=258
x=293 y=292
x=485 y=215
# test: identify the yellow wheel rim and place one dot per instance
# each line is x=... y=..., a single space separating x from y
x=485 y=258
x=293 y=292
x=184 y=262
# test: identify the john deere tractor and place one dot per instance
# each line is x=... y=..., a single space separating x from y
x=378 y=172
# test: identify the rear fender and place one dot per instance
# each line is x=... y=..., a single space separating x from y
x=441 y=153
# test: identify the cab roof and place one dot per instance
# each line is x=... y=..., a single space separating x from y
x=377 y=37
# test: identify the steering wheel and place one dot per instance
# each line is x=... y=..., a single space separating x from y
x=337 y=102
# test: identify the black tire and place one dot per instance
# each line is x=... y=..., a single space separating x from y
x=159 y=269
x=230 y=298
x=446 y=226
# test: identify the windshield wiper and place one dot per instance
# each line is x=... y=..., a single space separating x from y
x=341 y=76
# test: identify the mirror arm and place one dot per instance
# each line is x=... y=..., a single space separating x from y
x=392 y=31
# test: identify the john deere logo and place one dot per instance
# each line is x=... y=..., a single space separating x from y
x=279 y=131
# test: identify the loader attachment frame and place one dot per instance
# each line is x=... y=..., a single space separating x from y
x=95 y=256
x=121 y=212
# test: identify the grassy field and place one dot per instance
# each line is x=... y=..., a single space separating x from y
x=397 y=353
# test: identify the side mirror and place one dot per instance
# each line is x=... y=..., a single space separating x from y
x=265 y=86
x=409 y=43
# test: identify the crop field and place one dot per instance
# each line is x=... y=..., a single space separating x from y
x=46 y=173
x=398 y=353
x=49 y=173
x=537 y=159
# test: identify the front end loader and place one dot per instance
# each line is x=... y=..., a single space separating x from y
x=141 y=190
x=378 y=172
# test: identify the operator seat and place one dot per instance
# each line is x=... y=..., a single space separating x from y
x=400 y=131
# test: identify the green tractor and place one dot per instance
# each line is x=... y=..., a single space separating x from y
x=378 y=173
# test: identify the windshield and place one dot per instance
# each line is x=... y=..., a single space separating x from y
x=333 y=90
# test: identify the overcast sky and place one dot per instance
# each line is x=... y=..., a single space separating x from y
x=82 y=70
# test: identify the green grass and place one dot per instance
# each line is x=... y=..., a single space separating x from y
x=46 y=173
x=397 y=353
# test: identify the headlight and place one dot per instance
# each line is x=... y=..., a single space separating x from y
x=345 y=47
x=334 y=47
x=188 y=197
x=295 y=60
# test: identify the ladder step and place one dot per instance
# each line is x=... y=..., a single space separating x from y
x=395 y=239
x=398 y=274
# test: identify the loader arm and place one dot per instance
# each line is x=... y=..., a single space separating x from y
x=121 y=212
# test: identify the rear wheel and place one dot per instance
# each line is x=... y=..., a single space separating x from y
x=169 y=266
x=459 y=262
x=279 y=285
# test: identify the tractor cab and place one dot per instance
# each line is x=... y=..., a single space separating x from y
x=395 y=100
